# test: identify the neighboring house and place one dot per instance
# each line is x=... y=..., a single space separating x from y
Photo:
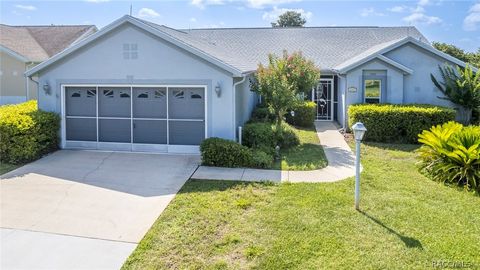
x=139 y=86
x=23 y=47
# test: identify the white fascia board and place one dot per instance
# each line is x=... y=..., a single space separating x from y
x=398 y=44
x=395 y=64
x=14 y=54
x=141 y=25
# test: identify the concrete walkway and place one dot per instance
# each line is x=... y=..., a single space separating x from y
x=341 y=163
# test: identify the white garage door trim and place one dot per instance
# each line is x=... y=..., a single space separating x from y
x=135 y=147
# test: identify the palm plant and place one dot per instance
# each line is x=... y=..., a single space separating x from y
x=460 y=86
x=451 y=154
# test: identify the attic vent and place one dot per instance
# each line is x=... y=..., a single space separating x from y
x=130 y=51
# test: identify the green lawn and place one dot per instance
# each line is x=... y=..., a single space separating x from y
x=308 y=155
x=5 y=167
x=407 y=222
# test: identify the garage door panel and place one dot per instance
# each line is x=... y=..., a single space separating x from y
x=149 y=102
x=81 y=101
x=186 y=132
x=114 y=102
x=81 y=129
x=114 y=130
x=150 y=131
x=186 y=103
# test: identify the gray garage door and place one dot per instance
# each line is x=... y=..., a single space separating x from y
x=136 y=115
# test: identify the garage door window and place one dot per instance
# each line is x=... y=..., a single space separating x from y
x=136 y=115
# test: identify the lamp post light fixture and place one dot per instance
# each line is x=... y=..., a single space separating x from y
x=358 y=132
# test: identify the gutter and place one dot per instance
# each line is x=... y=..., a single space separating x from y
x=235 y=104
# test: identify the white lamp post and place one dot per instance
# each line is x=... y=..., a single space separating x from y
x=358 y=132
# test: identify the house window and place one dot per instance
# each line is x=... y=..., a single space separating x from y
x=108 y=93
x=159 y=94
x=91 y=93
x=195 y=96
x=143 y=95
x=130 y=51
x=178 y=94
x=372 y=91
x=124 y=95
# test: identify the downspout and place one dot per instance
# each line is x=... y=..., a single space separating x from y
x=27 y=86
x=344 y=101
x=235 y=104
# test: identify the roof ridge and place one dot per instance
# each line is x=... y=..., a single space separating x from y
x=50 y=25
x=283 y=28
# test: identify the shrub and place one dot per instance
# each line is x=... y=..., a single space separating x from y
x=262 y=114
x=261 y=159
x=288 y=137
x=397 y=123
x=451 y=154
x=304 y=114
x=257 y=135
x=27 y=133
x=225 y=153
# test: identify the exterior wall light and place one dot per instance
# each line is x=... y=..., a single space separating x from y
x=358 y=132
x=46 y=88
x=218 y=90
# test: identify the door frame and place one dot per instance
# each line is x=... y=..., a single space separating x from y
x=332 y=99
x=133 y=147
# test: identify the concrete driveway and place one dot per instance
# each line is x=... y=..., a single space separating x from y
x=85 y=209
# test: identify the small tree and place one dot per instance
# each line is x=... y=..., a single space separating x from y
x=290 y=19
x=460 y=86
x=280 y=82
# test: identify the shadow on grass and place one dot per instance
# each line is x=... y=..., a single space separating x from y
x=409 y=242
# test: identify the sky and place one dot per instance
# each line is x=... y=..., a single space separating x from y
x=454 y=22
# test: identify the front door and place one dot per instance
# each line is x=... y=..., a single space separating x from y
x=322 y=95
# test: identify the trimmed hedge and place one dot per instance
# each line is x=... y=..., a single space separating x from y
x=261 y=134
x=225 y=153
x=304 y=114
x=27 y=133
x=397 y=123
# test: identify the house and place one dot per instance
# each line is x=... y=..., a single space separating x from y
x=22 y=47
x=139 y=86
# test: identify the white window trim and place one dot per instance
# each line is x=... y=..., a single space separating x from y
x=365 y=91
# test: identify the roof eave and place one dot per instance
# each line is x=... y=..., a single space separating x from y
x=14 y=54
x=234 y=71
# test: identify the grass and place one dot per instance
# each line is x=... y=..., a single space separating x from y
x=308 y=155
x=5 y=167
x=407 y=222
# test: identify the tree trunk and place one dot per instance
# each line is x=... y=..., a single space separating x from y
x=278 y=130
x=464 y=115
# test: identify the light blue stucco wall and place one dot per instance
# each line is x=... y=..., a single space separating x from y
x=418 y=87
x=401 y=88
x=245 y=102
x=159 y=62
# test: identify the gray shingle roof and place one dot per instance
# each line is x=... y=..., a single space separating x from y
x=38 y=43
x=328 y=47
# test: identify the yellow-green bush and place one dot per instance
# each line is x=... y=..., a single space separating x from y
x=397 y=123
x=450 y=153
x=27 y=133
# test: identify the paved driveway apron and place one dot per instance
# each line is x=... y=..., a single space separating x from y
x=85 y=209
